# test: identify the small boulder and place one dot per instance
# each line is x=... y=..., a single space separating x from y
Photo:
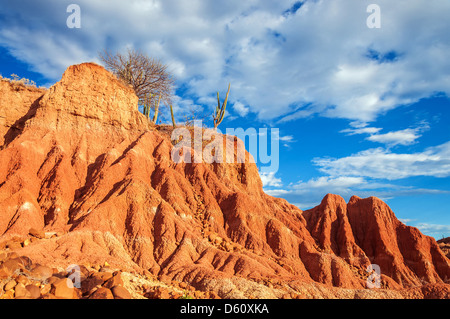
x=91 y=282
x=114 y=281
x=102 y=293
x=34 y=291
x=159 y=293
x=63 y=288
x=119 y=292
x=20 y=291
x=52 y=280
x=41 y=272
x=10 y=285
x=10 y=266
x=37 y=233
x=103 y=275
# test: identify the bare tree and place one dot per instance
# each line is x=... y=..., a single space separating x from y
x=150 y=78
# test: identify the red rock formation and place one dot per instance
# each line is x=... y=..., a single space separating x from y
x=444 y=244
x=328 y=223
x=402 y=252
x=16 y=105
x=366 y=231
x=87 y=165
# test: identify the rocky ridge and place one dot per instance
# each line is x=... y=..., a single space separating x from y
x=444 y=244
x=80 y=162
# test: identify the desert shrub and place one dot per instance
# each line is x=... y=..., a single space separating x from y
x=17 y=82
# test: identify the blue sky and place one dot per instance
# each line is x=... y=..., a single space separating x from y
x=360 y=111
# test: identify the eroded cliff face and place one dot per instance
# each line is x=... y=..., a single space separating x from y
x=444 y=244
x=86 y=164
x=366 y=231
x=17 y=103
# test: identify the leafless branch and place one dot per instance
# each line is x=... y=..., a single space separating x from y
x=149 y=77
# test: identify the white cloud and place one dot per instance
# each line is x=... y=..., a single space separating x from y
x=310 y=193
x=334 y=185
x=314 y=60
x=407 y=136
x=361 y=130
x=303 y=113
x=184 y=110
x=287 y=138
x=402 y=137
x=269 y=179
x=384 y=164
x=435 y=230
x=276 y=192
x=241 y=109
x=406 y=221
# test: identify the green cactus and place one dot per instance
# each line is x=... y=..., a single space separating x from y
x=220 y=110
x=147 y=105
x=173 y=118
x=155 y=116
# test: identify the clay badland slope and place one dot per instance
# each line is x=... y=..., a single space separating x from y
x=80 y=160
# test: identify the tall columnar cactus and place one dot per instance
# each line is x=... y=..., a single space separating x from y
x=220 y=110
x=173 y=118
x=155 y=116
x=147 y=105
